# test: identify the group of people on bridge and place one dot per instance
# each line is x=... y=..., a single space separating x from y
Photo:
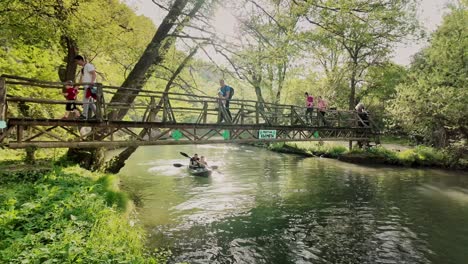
x=70 y=92
x=88 y=77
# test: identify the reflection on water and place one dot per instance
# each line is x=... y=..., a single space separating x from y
x=263 y=207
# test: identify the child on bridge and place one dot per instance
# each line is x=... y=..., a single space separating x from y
x=70 y=92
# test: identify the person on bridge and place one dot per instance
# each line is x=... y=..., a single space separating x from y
x=70 y=93
x=322 y=107
x=363 y=115
x=226 y=95
x=309 y=107
x=88 y=76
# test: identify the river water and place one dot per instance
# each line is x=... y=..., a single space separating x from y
x=265 y=207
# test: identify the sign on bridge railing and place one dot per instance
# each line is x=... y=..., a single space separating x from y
x=267 y=134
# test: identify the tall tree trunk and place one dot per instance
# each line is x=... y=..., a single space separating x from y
x=69 y=72
x=352 y=84
x=281 y=68
x=151 y=56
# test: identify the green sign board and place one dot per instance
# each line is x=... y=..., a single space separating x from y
x=226 y=134
x=266 y=134
x=177 y=135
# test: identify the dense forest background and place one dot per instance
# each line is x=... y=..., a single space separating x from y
x=337 y=49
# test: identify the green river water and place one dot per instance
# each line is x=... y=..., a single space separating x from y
x=265 y=207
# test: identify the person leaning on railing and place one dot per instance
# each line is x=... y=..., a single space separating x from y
x=363 y=115
x=226 y=95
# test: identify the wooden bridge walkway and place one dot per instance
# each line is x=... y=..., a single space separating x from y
x=28 y=119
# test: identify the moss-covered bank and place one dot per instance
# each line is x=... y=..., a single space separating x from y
x=67 y=215
x=419 y=156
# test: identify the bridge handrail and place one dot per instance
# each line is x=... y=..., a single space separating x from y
x=59 y=85
x=250 y=109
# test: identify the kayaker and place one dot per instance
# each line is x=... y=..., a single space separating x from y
x=195 y=161
x=203 y=162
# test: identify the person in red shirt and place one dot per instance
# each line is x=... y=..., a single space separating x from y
x=70 y=92
x=309 y=107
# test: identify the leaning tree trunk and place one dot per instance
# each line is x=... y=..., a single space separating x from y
x=118 y=162
x=68 y=72
x=152 y=56
x=144 y=68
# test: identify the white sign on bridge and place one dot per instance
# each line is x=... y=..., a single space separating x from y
x=266 y=134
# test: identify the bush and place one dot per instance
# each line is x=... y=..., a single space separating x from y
x=67 y=216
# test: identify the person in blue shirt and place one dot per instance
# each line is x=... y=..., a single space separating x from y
x=226 y=95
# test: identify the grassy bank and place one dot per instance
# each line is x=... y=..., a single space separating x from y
x=418 y=156
x=67 y=215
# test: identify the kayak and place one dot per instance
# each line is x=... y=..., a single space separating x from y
x=201 y=172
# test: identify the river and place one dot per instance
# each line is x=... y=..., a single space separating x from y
x=265 y=207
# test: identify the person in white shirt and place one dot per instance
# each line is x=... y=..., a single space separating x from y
x=88 y=75
x=363 y=115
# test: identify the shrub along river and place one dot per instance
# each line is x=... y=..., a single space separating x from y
x=265 y=207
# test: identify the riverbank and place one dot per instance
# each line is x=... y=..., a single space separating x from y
x=419 y=156
x=66 y=215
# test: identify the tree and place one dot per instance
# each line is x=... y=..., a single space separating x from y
x=265 y=50
x=366 y=30
x=62 y=28
x=433 y=101
x=153 y=55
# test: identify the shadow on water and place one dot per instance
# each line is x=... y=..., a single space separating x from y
x=265 y=207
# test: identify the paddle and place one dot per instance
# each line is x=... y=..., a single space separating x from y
x=178 y=165
x=185 y=155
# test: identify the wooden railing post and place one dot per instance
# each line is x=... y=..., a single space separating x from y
x=164 y=98
x=205 y=111
x=99 y=102
x=291 y=115
x=3 y=103
x=242 y=113
x=257 y=113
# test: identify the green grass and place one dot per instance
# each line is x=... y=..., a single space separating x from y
x=315 y=148
x=68 y=215
x=41 y=154
x=404 y=141
x=417 y=156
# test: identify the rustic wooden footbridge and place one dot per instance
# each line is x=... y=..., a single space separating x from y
x=28 y=118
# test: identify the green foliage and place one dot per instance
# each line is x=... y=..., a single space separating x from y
x=357 y=34
x=318 y=149
x=418 y=156
x=67 y=216
x=433 y=101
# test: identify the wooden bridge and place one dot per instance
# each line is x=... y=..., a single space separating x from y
x=28 y=110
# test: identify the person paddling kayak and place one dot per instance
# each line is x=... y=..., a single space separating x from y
x=203 y=162
x=195 y=161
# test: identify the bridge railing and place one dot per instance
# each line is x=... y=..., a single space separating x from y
x=40 y=99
